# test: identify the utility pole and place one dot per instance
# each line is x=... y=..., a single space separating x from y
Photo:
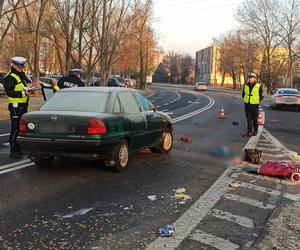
x=103 y=40
x=147 y=53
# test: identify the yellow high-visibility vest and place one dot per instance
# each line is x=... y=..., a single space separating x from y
x=56 y=88
x=18 y=87
x=253 y=97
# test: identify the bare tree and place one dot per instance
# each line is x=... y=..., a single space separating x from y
x=288 y=19
x=118 y=20
x=7 y=13
x=66 y=16
x=257 y=19
x=142 y=12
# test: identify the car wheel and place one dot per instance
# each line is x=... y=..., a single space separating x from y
x=166 y=143
x=120 y=156
x=42 y=161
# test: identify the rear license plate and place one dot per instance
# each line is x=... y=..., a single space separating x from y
x=53 y=129
x=290 y=99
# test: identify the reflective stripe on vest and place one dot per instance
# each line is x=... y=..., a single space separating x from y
x=18 y=87
x=253 y=97
x=56 y=88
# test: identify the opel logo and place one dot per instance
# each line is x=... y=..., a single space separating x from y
x=53 y=118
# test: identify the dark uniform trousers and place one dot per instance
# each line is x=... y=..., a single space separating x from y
x=15 y=116
x=251 y=111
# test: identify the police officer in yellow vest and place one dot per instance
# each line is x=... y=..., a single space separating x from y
x=252 y=95
x=15 y=84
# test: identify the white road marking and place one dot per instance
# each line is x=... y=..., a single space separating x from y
x=6 y=144
x=158 y=106
x=16 y=168
x=268 y=149
x=14 y=164
x=164 y=110
x=192 y=217
x=248 y=201
x=274 y=155
x=2 y=135
x=213 y=240
x=165 y=104
x=240 y=220
x=196 y=112
x=270 y=191
x=265 y=177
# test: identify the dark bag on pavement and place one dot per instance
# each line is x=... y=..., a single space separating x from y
x=253 y=155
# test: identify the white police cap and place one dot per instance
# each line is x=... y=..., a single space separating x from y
x=19 y=61
x=252 y=74
x=75 y=70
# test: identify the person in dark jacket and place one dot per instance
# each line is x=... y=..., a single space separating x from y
x=16 y=85
x=252 y=96
x=70 y=81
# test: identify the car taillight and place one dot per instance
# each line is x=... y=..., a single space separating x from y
x=96 y=127
x=22 y=126
x=279 y=96
x=298 y=96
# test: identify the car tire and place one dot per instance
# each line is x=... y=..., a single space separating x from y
x=120 y=156
x=166 y=143
x=43 y=161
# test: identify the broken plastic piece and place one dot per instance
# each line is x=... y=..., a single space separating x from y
x=186 y=138
x=167 y=231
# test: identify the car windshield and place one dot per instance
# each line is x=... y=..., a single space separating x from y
x=200 y=83
x=288 y=92
x=120 y=79
x=83 y=101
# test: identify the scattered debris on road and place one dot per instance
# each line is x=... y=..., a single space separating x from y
x=180 y=190
x=234 y=185
x=166 y=231
x=253 y=155
x=235 y=123
x=151 y=197
x=186 y=138
x=79 y=212
x=180 y=195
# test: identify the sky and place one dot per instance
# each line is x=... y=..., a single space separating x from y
x=186 y=26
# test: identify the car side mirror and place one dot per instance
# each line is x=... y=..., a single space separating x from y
x=154 y=109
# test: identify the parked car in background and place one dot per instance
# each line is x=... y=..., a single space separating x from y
x=128 y=83
x=285 y=97
x=2 y=76
x=200 y=86
x=108 y=125
x=116 y=82
x=49 y=80
x=2 y=90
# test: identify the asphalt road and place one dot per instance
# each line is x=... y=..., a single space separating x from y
x=81 y=204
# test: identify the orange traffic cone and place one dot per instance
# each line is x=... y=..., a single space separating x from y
x=222 y=114
x=259 y=120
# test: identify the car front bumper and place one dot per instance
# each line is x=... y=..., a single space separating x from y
x=91 y=149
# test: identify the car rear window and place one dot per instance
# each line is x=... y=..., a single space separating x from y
x=288 y=92
x=85 y=101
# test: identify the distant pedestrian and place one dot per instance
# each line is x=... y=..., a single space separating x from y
x=70 y=81
x=16 y=84
x=252 y=95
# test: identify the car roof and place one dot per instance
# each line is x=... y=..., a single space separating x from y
x=98 y=89
x=287 y=89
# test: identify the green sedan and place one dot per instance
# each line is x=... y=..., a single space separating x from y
x=94 y=123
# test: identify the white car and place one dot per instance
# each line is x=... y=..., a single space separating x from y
x=285 y=97
x=2 y=91
x=200 y=86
